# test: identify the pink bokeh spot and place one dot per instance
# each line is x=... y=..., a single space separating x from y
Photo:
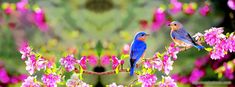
x=231 y=4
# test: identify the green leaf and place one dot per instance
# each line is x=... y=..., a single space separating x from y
x=124 y=57
x=99 y=48
x=220 y=75
x=208 y=49
x=80 y=72
x=227 y=35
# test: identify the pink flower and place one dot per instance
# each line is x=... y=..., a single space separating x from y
x=68 y=62
x=40 y=20
x=173 y=51
x=198 y=36
x=228 y=71
x=25 y=50
x=230 y=43
x=125 y=49
x=4 y=78
x=74 y=81
x=115 y=85
x=196 y=75
x=92 y=60
x=22 y=5
x=31 y=64
x=168 y=82
x=143 y=24
x=14 y=80
x=105 y=60
x=82 y=62
x=201 y=62
x=41 y=63
x=30 y=82
x=159 y=19
x=175 y=6
x=189 y=8
x=116 y=62
x=22 y=77
x=218 y=51
x=231 y=4
x=213 y=35
x=8 y=8
x=204 y=10
x=50 y=80
x=147 y=80
x=167 y=64
x=154 y=64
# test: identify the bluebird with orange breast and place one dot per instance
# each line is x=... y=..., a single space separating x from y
x=137 y=50
x=181 y=37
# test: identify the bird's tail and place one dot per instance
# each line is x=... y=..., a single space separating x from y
x=132 y=69
x=200 y=47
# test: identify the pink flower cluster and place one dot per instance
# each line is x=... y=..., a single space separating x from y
x=33 y=63
x=68 y=62
x=189 y=8
x=168 y=82
x=221 y=45
x=30 y=82
x=175 y=6
x=105 y=60
x=115 y=85
x=50 y=80
x=204 y=10
x=159 y=19
x=92 y=60
x=147 y=80
x=115 y=62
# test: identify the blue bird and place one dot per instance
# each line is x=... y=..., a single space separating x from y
x=137 y=50
x=181 y=37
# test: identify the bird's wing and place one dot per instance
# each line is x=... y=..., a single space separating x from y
x=137 y=50
x=183 y=35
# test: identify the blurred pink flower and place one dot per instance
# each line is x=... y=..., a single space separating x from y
x=30 y=82
x=168 y=82
x=25 y=50
x=201 y=62
x=228 y=71
x=173 y=51
x=213 y=35
x=105 y=60
x=154 y=64
x=8 y=8
x=167 y=64
x=22 y=5
x=4 y=78
x=41 y=63
x=40 y=20
x=196 y=75
x=68 y=62
x=175 y=6
x=204 y=10
x=92 y=60
x=14 y=79
x=231 y=43
x=125 y=49
x=115 y=61
x=231 y=4
x=50 y=80
x=189 y=8
x=147 y=80
x=82 y=62
x=31 y=64
x=159 y=19
x=218 y=51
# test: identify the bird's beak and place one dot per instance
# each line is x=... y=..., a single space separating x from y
x=147 y=34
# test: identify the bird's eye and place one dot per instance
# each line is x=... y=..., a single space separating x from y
x=142 y=34
x=175 y=24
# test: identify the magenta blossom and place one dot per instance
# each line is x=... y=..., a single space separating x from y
x=42 y=63
x=213 y=36
x=147 y=80
x=50 y=80
x=231 y=4
x=173 y=51
x=8 y=8
x=189 y=8
x=125 y=49
x=68 y=62
x=175 y=6
x=30 y=82
x=31 y=64
x=22 y=5
x=105 y=60
x=204 y=10
x=167 y=82
x=196 y=75
x=92 y=60
x=228 y=71
x=154 y=64
x=167 y=64
x=82 y=62
x=143 y=24
x=25 y=50
x=4 y=78
x=218 y=51
x=115 y=61
x=230 y=43
x=159 y=19
x=40 y=20
x=115 y=85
